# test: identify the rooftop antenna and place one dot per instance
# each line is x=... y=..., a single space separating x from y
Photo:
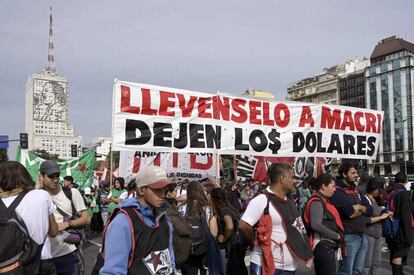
x=50 y=67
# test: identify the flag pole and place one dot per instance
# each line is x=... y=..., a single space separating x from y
x=110 y=170
x=217 y=168
x=217 y=160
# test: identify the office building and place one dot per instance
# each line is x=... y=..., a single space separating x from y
x=389 y=87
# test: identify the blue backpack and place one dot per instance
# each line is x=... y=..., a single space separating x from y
x=391 y=225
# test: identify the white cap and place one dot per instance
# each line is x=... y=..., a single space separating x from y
x=87 y=191
x=152 y=176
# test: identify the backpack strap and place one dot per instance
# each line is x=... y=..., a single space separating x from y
x=12 y=207
x=68 y=194
x=266 y=210
x=133 y=216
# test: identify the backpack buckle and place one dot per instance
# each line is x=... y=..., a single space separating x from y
x=9 y=268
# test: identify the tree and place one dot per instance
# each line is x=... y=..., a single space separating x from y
x=3 y=155
x=41 y=153
x=227 y=161
x=115 y=160
x=97 y=165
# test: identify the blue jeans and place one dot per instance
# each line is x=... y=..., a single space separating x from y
x=356 y=246
x=257 y=270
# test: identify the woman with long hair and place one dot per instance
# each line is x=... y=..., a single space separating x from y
x=197 y=209
x=227 y=221
x=35 y=208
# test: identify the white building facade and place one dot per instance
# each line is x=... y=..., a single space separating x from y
x=322 y=88
x=47 y=121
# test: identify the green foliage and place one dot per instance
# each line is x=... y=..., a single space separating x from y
x=227 y=161
x=45 y=155
x=115 y=159
x=96 y=165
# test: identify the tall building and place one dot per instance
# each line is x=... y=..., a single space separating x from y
x=47 y=121
x=352 y=86
x=322 y=88
x=389 y=87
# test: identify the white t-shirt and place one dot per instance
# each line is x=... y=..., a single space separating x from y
x=251 y=216
x=34 y=210
x=59 y=246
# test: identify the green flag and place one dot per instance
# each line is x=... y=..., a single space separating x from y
x=81 y=168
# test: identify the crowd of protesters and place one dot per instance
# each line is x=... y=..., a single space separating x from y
x=151 y=225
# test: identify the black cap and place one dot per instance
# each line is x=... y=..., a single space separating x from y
x=49 y=167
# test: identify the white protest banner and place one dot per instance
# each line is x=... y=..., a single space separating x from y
x=178 y=166
x=161 y=119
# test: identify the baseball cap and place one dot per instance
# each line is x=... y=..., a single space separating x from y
x=152 y=176
x=49 y=167
x=87 y=191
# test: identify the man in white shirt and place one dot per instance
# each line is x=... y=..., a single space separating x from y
x=64 y=254
x=288 y=241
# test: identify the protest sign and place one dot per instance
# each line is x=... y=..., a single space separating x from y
x=81 y=168
x=161 y=119
x=178 y=166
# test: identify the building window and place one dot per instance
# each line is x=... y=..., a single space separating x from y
x=372 y=70
x=396 y=64
x=384 y=67
x=386 y=137
x=373 y=93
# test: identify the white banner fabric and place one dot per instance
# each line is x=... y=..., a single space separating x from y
x=162 y=119
x=178 y=166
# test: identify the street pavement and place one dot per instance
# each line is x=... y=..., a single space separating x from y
x=92 y=247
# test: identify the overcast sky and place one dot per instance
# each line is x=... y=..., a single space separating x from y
x=206 y=46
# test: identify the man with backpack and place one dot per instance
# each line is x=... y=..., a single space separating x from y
x=354 y=209
x=281 y=239
x=138 y=239
x=68 y=203
x=399 y=240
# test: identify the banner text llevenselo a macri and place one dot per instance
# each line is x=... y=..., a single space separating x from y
x=161 y=119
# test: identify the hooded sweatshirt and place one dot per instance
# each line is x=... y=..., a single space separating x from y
x=118 y=240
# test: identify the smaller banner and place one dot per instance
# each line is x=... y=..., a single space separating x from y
x=81 y=168
x=178 y=166
x=254 y=168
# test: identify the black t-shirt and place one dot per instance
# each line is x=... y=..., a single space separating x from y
x=221 y=223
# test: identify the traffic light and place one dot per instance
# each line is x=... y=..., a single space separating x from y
x=74 y=150
x=24 y=140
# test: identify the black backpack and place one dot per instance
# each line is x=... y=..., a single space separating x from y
x=181 y=236
x=200 y=233
x=16 y=246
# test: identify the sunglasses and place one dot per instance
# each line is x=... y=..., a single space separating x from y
x=53 y=176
